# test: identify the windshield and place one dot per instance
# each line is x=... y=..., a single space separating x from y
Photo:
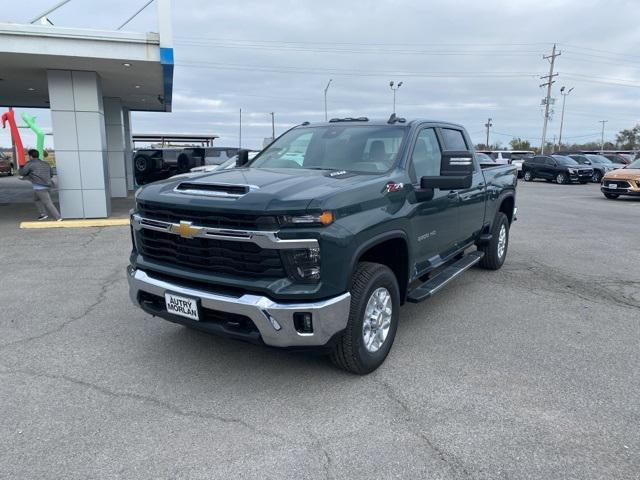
x=562 y=160
x=356 y=148
x=599 y=159
x=634 y=164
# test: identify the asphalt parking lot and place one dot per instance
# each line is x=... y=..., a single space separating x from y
x=532 y=371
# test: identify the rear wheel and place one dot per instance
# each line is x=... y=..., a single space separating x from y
x=528 y=176
x=495 y=251
x=596 y=177
x=185 y=163
x=611 y=196
x=561 y=178
x=143 y=163
x=373 y=320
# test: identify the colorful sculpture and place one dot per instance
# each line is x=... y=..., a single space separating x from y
x=31 y=123
x=9 y=116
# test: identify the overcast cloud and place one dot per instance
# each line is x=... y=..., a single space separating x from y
x=459 y=61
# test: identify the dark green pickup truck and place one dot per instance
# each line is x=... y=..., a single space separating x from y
x=318 y=241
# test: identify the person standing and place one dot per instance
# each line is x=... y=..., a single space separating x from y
x=39 y=173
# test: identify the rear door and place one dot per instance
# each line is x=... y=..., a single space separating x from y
x=472 y=200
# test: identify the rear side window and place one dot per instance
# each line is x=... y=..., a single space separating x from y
x=453 y=139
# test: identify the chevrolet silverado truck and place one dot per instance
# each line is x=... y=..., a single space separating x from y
x=317 y=241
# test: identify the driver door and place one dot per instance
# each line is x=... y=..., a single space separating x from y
x=434 y=222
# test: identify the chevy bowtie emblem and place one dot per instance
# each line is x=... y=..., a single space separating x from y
x=185 y=229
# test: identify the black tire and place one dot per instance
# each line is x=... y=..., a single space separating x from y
x=492 y=260
x=350 y=352
x=561 y=178
x=596 y=177
x=143 y=163
x=611 y=196
x=185 y=163
x=12 y=171
x=528 y=176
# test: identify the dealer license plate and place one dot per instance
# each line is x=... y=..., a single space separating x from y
x=613 y=185
x=183 y=306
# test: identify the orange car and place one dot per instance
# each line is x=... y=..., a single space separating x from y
x=623 y=181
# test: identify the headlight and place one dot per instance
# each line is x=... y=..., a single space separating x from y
x=572 y=171
x=318 y=219
x=302 y=265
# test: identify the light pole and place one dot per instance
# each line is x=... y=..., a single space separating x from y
x=602 y=136
x=326 y=89
x=564 y=98
x=273 y=126
x=394 y=88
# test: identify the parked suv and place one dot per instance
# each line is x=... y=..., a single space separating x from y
x=510 y=157
x=622 y=181
x=556 y=168
x=601 y=165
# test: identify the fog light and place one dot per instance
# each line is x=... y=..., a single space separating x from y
x=303 y=322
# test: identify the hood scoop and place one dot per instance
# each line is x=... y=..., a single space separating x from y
x=224 y=190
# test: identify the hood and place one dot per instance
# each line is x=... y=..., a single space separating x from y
x=624 y=173
x=259 y=189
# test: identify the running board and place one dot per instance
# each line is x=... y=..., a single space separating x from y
x=431 y=286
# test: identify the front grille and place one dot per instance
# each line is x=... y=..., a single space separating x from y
x=207 y=219
x=585 y=172
x=244 y=259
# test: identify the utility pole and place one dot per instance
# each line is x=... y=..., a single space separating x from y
x=326 y=89
x=602 y=135
x=488 y=125
x=240 y=136
x=547 y=101
x=564 y=97
x=273 y=126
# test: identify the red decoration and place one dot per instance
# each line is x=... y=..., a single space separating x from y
x=8 y=116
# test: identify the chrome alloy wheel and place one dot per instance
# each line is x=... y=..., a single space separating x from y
x=502 y=241
x=377 y=319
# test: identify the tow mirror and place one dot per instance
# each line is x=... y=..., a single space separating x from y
x=243 y=158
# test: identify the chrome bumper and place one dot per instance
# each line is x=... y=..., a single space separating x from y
x=329 y=316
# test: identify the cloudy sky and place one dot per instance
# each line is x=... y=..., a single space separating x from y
x=460 y=61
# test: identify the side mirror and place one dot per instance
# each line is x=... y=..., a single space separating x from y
x=588 y=162
x=243 y=158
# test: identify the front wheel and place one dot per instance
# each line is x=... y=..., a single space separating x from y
x=373 y=320
x=528 y=176
x=495 y=252
x=561 y=178
x=611 y=196
x=596 y=177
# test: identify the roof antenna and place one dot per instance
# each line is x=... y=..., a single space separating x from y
x=392 y=118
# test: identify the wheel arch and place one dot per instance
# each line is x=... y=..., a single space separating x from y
x=390 y=249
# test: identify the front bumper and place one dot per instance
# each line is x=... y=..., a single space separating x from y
x=329 y=316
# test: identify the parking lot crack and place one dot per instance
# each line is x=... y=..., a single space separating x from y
x=328 y=461
x=455 y=464
x=110 y=280
x=148 y=399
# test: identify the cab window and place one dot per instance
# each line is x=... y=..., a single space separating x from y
x=426 y=156
x=453 y=139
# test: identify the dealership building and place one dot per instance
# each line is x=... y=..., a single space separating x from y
x=91 y=80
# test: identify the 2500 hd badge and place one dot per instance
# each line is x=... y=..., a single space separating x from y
x=317 y=241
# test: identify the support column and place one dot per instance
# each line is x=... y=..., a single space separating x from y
x=114 y=124
x=77 y=116
x=128 y=149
